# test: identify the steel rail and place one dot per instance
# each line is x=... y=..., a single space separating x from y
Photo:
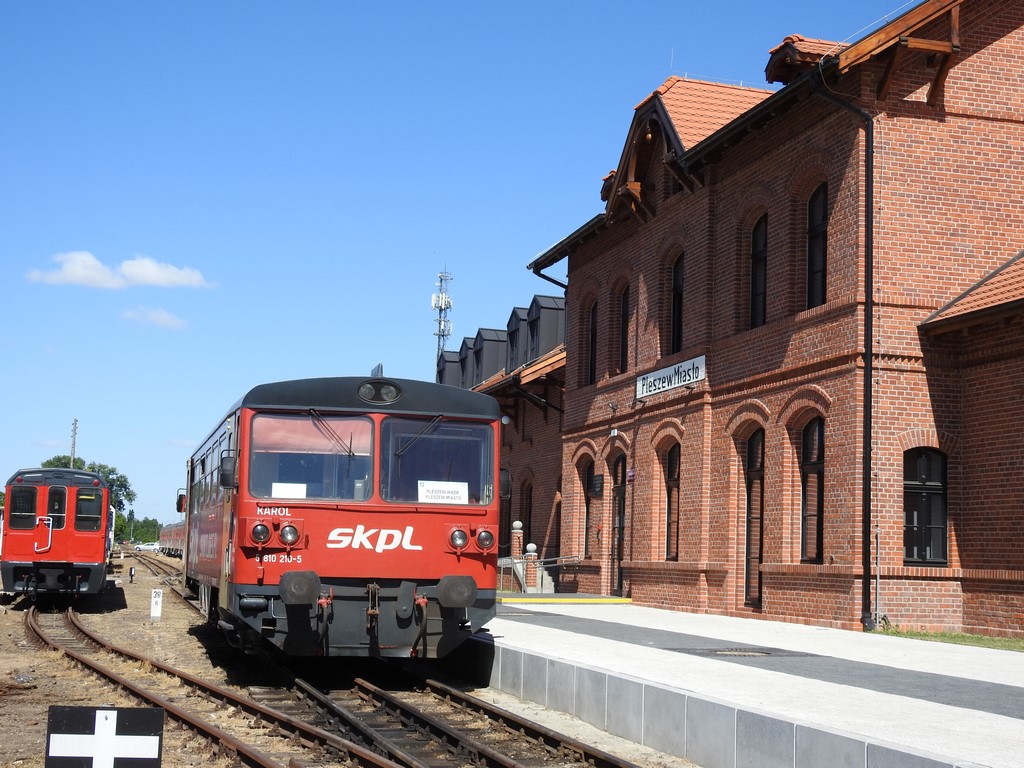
x=458 y=743
x=309 y=735
x=551 y=739
x=369 y=735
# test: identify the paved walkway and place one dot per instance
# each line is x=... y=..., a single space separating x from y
x=727 y=692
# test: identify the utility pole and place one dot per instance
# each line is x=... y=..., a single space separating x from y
x=74 y=435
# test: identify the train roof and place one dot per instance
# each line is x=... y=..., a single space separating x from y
x=342 y=393
x=57 y=476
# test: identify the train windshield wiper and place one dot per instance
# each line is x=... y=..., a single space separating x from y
x=325 y=428
x=412 y=440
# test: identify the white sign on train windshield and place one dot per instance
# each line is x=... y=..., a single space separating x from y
x=440 y=492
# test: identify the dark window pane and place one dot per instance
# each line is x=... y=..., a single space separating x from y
x=758 y=272
x=22 y=506
x=817 y=246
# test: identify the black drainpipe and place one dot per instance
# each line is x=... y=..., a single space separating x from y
x=866 y=617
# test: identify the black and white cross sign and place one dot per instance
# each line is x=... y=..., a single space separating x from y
x=94 y=737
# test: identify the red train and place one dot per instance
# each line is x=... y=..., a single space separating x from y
x=348 y=517
x=172 y=539
x=57 y=532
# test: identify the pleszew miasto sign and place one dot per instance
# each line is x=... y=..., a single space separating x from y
x=680 y=375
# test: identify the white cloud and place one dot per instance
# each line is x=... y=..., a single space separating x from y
x=143 y=270
x=159 y=317
x=79 y=268
x=82 y=268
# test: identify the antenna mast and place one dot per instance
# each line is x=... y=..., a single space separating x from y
x=442 y=302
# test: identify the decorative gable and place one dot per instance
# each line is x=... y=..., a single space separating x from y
x=665 y=125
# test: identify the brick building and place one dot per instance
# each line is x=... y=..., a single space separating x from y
x=793 y=347
x=529 y=384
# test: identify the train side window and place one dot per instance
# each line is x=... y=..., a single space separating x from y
x=88 y=509
x=56 y=506
x=22 y=506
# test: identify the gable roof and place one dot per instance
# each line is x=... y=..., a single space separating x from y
x=999 y=294
x=701 y=120
x=698 y=108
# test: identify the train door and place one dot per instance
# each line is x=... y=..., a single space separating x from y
x=224 y=497
x=53 y=520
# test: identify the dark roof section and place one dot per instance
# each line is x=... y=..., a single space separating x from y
x=58 y=476
x=341 y=394
x=796 y=55
x=999 y=294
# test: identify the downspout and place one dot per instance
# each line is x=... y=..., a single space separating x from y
x=817 y=81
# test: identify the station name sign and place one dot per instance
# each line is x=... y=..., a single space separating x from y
x=680 y=375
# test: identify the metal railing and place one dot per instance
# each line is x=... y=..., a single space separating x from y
x=514 y=572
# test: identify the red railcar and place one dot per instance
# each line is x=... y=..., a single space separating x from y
x=172 y=539
x=348 y=516
x=56 y=532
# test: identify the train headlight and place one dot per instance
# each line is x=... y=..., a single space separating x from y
x=458 y=538
x=485 y=539
x=260 y=533
x=379 y=391
x=289 y=534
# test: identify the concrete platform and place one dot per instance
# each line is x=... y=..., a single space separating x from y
x=727 y=692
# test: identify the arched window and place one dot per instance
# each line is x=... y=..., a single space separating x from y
x=754 y=472
x=589 y=492
x=526 y=512
x=505 y=525
x=672 y=503
x=676 y=321
x=812 y=490
x=623 y=365
x=817 y=245
x=556 y=541
x=590 y=374
x=758 y=272
x=924 y=507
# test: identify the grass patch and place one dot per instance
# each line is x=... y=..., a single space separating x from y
x=957 y=638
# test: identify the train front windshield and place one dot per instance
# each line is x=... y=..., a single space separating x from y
x=311 y=457
x=433 y=461
x=420 y=460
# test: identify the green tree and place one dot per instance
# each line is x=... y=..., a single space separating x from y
x=121 y=493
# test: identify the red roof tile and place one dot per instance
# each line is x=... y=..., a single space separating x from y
x=809 y=45
x=698 y=108
x=1000 y=292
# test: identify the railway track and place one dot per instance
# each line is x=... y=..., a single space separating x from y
x=265 y=715
x=254 y=734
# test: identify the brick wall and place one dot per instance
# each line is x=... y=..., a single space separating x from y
x=947 y=188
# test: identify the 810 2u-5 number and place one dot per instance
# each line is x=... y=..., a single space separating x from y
x=283 y=558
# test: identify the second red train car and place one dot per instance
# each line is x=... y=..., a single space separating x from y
x=56 y=532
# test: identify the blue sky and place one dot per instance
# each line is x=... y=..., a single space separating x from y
x=199 y=197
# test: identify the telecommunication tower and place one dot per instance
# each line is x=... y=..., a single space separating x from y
x=442 y=302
